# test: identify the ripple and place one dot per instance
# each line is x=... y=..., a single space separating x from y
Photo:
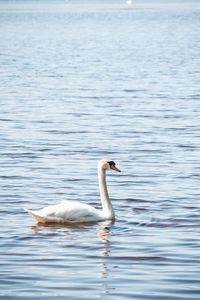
x=80 y=83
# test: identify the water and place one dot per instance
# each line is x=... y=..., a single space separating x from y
x=80 y=82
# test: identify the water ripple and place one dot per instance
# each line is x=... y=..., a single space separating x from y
x=80 y=82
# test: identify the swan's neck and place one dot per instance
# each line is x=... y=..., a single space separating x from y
x=106 y=204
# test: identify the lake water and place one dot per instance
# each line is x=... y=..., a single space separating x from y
x=81 y=81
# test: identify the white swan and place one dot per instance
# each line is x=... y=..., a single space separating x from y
x=73 y=211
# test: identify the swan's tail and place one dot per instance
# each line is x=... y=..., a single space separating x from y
x=36 y=216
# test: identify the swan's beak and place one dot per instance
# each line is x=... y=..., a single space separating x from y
x=115 y=168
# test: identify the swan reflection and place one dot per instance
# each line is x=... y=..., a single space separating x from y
x=69 y=227
x=103 y=231
x=104 y=234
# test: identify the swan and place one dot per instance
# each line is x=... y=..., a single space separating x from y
x=74 y=211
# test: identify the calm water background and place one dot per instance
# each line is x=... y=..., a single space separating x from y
x=80 y=82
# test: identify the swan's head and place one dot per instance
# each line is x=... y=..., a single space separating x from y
x=108 y=165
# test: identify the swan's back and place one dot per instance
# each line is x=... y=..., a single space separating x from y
x=67 y=211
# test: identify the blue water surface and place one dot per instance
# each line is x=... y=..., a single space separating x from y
x=81 y=81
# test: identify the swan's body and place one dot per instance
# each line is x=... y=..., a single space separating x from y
x=73 y=211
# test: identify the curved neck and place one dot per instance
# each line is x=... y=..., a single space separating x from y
x=105 y=201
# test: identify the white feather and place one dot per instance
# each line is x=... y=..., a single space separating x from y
x=67 y=211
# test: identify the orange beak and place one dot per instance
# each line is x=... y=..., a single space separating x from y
x=115 y=168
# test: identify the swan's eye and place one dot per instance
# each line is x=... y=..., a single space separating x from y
x=111 y=164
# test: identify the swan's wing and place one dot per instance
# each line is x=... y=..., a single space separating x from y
x=71 y=211
x=74 y=210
